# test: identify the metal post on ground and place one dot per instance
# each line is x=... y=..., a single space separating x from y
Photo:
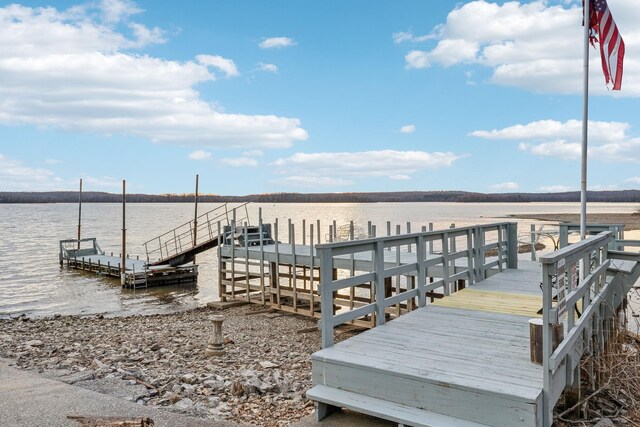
x=79 y=212
x=124 y=235
x=195 y=220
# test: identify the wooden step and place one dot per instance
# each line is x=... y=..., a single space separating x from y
x=395 y=412
x=464 y=364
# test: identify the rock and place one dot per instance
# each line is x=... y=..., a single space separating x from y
x=189 y=379
x=77 y=376
x=155 y=347
x=605 y=422
x=266 y=364
x=237 y=389
x=183 y=404
x=214 y=384
x=34 y=343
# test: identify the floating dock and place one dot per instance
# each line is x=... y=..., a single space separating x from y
x=137 y=273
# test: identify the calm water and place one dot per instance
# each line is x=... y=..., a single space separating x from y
x=32 y=282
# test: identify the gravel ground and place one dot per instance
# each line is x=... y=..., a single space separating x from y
x=159 y=360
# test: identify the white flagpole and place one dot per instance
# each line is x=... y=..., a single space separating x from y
x=585 y=122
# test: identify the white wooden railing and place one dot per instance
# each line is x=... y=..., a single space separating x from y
x=562 y=279
x=457 y=244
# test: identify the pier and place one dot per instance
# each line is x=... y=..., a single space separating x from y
x=465 y=359
x=255 y=266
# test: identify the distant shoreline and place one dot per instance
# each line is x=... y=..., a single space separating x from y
x=622 y=196
x=630 y=221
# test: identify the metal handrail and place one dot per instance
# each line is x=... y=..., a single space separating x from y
x=181 y=238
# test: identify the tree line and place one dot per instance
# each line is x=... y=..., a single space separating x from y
x=628 y=196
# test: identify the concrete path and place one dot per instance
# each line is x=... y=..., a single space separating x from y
x=27 y=399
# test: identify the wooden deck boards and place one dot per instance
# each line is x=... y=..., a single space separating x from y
x=494 y=301
x=466 y=355
x=481 y=360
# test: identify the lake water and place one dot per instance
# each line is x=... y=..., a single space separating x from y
x=32 y=282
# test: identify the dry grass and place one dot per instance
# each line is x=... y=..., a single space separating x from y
x=610 y=386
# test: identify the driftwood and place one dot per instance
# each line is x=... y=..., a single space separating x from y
x=93 y=421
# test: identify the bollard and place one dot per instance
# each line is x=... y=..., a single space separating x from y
x=215 y=347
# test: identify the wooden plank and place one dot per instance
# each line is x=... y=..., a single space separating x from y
x=384 y=409
x=467 y=404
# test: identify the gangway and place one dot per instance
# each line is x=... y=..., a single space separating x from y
x=180 y=245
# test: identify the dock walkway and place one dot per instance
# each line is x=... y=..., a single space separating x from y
x=471 y=361
x=464 y=360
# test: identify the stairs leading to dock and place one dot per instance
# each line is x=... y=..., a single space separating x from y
x=436 y=366
x=180 y=245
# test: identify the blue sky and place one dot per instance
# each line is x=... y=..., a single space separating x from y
x=302 y=96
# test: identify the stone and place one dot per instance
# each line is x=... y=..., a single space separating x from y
x=605 y=422
x=77 y=376
x=266 y=364
x=189 y=378
x=34 y=343
x=183 y=404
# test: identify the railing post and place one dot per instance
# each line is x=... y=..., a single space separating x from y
x=445 y=264
x=547 y=410
x=422 y=279
x=379 y=285
x=533 y=242
x=326 y=296
x=512 y=259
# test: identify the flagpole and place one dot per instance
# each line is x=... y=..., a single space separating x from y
x=585 y=121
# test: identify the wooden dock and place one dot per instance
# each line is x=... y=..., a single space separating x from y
x=464 y=360
x=286 y=276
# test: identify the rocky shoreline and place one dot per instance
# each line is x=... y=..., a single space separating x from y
x=159 y=360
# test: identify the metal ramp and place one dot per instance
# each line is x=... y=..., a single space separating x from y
x=180 y=245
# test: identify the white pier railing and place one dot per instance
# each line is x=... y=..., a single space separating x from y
x=585 y=325
x=462 y=256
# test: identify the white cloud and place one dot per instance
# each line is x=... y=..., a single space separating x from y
x=508 y=186
x=556 y=188
x=313 y=181
x=408 y=36
x=199 y=155
x=104 y=182
x=14 y=176
x=227 y=66
x=546 y=129
x=68 y=70
x=269 y=68
x=634 y=180
x=535 y=45
x=114 y=11
x=238 y=162
x=348 y=165
x=408 y=129
x=52 y=161
x=253 y=153
x=608 y=141
x=417 y=59
x=400 y=177
x=276 y=42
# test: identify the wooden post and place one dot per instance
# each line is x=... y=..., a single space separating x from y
x=79 y=212
x=195 y=220
x=124 y=234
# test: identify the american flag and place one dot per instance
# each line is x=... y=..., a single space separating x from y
x=611 y=44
